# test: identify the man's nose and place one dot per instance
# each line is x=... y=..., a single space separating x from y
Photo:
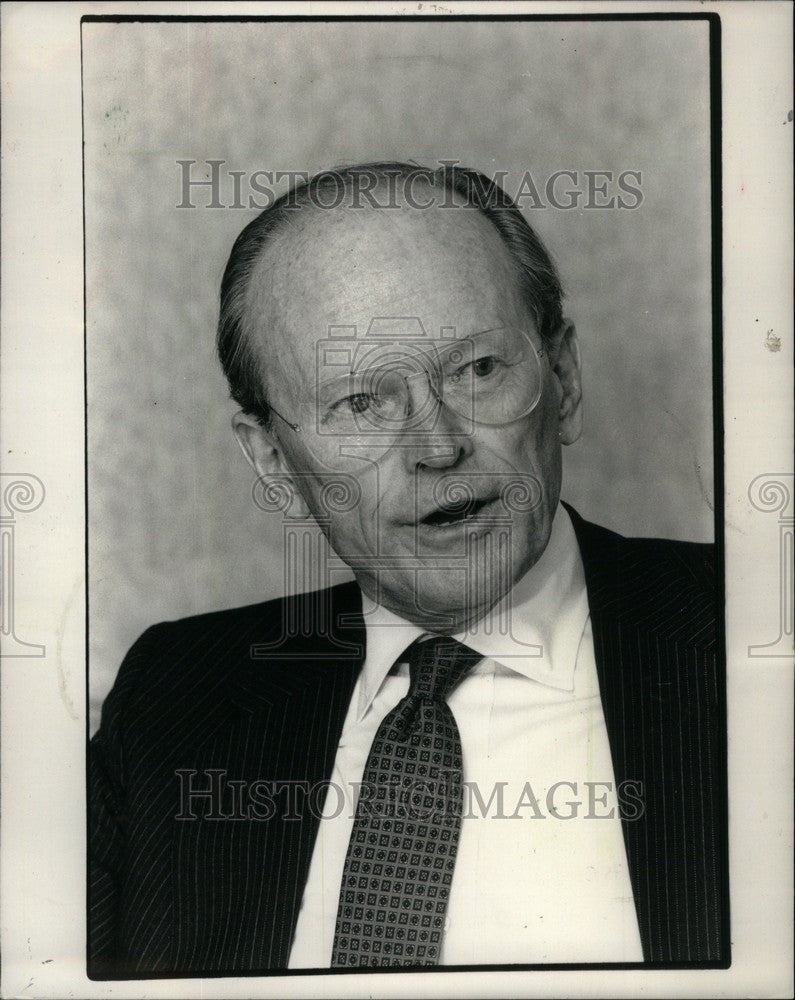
x=438 y=456
x=436 y=439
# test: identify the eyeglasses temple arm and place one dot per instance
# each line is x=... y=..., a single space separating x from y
x=289 y=423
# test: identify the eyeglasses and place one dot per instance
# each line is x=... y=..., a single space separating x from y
x=493 y=378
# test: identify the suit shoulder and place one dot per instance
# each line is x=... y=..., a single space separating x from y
x=262 y=621
x=173 y=661
x=664 y=586
x=693 y=561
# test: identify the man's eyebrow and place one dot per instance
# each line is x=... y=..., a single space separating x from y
x=491 y=329
x=439 y=348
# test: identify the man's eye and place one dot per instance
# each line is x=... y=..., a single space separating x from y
x=484 y=366
x=480 y=368
x=360 y=402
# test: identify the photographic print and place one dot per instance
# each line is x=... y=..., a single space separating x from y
x=413 y=662
x=396 y=507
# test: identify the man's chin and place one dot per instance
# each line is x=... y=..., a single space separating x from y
x=443 y=601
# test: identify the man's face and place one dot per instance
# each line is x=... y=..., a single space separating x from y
x=387 y=294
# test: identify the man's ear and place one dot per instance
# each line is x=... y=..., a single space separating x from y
x=265 y=455
x=567 y=365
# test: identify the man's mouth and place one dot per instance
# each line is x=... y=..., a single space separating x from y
x=452 y=514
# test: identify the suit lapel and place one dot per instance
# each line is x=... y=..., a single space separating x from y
x=240 y=877
x=658 y=683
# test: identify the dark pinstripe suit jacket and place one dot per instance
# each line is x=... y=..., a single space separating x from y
x=227 y=691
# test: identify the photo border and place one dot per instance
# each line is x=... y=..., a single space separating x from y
x=714 y=23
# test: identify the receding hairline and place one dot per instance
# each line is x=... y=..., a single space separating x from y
x=539 y=282
x=303 y=224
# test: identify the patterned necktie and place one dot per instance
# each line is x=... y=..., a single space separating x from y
x=401 y=855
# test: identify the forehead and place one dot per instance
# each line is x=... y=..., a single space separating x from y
x=446 y=266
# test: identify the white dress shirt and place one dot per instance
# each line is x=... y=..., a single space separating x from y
x=540 y=876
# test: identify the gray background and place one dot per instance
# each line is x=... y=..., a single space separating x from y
x=173 y=529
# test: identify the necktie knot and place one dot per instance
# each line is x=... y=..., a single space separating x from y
x=436 y=665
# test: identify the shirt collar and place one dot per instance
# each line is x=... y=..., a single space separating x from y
x=535 y=630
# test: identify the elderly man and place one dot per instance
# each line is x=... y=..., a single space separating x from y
x=504 y=742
